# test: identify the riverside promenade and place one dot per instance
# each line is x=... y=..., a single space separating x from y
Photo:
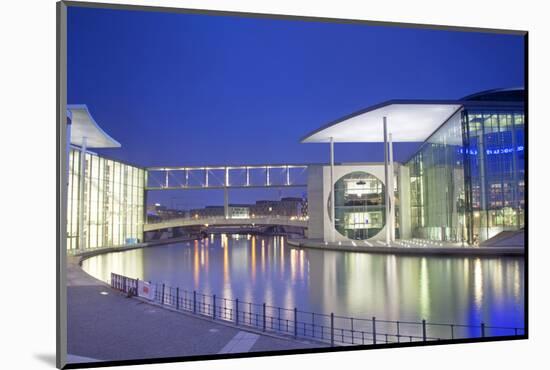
x=398 y=247
x=105 y=325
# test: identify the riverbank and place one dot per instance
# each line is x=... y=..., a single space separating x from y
x=122 y=248
x=105 y=325
x=409 y=250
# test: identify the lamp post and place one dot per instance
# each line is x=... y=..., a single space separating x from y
x=387 y=182
x=391 y=189
x=333 y=222
x=82 y=184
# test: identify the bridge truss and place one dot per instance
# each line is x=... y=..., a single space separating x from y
x=226 y=177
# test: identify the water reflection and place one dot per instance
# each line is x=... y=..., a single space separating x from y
x=266 y=269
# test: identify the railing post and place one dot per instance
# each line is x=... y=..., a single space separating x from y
x=295 y=322
x=264 y=317
x=398 y=335
x=482 y=329
x=373 y=330
x=332 y=329
x=214 y=307
x=313 y=324
x=424 y=330
x=162 y=296
x=177 y=298
x=237 y=311
x=194 y=301
x=112 y=280
x=137 y=287
x=352 y=342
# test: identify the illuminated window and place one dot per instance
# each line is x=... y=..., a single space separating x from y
x=359 y=205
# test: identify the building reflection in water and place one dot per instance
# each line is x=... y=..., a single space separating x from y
x=438 y=289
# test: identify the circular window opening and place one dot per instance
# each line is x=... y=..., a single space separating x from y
x=359 y=206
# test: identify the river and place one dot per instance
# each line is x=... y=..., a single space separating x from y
x=464 y=290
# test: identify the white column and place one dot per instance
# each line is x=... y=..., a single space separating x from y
x=226 y=194
x=386 y=182
x=392 y=186
x=287 y=175
x=82 y=183
x=68 y=151
x=247 y=176
x=226 y=202
x=333 y=196
x=67 y=170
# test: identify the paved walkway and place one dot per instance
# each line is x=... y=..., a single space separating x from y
x=105 y=325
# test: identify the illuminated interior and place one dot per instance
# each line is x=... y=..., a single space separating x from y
x=359 y=205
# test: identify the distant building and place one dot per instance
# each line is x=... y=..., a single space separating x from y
x=158 y=211
x=287 y=207
x=235 y=211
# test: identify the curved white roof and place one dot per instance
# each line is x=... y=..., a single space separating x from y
x=407 y=120
x=83 y=126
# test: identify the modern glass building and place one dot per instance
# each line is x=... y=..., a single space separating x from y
x=112 y=202
x=105 y=198
x=467 y=179
x=465 y=184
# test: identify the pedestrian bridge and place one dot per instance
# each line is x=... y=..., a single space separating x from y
x=222 y=221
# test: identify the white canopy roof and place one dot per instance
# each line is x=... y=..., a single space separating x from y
x=407 y=120
x=83 y=126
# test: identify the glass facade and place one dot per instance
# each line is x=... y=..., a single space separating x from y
x=494 y=155
x=359 y=206
x=437 y=185
x=112 y=202
x=467 y=179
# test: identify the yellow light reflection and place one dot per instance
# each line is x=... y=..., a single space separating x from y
x=424 y=289
x=302 y=264
x=263 y=257
x=196 y=266
x=517 y=282
x=226 y=277
x=253 y=257
x=206 y=256
x=478 y=283
x=293 y=265
x=282 y=263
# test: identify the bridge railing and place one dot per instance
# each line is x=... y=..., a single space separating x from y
x=213 y=219
x=334 y=330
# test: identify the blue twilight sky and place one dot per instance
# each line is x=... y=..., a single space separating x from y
x=178 y=89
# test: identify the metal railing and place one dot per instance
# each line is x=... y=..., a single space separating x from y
x=328 y=328
x=205 y=219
